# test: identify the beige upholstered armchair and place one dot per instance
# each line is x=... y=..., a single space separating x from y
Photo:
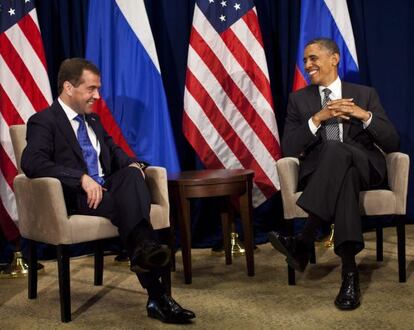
x=372 y=203
x=43 y=218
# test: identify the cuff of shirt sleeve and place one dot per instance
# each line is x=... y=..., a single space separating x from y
x=365 y=124
x=312 y=126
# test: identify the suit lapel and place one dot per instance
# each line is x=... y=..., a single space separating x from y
x=67 y=130
x=314 y=99
x=346 y=94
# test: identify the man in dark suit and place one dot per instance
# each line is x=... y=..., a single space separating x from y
x=337 y=130
x=67 y=141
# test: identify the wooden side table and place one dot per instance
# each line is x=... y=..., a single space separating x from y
x=212 y=183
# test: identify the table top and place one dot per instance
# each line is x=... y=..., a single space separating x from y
x=210 y=176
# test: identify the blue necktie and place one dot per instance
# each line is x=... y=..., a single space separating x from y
x=89 y=153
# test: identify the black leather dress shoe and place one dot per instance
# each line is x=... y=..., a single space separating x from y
x=167 y=310
x=349 y=296
x=148 y=255
x=296 y=252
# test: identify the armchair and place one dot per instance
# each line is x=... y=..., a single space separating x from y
x=372 y=203
x=43 y=218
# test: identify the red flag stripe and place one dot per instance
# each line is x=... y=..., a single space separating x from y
x=253 y=23
x=7 y=109
x=233 y=92
x=224 y=129
x=248 y=64
x=196 y=139
x=7 y=167
x=22 y=74
x=111 y=126
x=32 y=33
x=299 y=80
x=8 y=227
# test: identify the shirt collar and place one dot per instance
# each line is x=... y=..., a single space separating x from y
x=335 y=87
x=70 y=113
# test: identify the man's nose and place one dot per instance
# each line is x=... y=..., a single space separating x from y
x=96 y=95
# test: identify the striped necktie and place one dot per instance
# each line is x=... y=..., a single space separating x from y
x=331 y=126
x=89 y=153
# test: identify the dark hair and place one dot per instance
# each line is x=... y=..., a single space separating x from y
x=71 y=70
x=326 y=43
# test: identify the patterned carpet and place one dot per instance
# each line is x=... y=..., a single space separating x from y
x=223 y=297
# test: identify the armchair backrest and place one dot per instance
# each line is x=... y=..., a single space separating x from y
x=18 y=138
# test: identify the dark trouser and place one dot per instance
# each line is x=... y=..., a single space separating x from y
x=127 y=203
x=331 y=192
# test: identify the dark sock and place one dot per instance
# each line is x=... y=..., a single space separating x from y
x=347 y=253
x=152 y=284
x=155 y=291
x=308 y=234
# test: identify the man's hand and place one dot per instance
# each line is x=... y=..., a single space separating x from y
x=138 y=167
x=94 y=191
x=342 y=108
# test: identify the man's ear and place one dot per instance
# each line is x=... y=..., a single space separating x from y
x=335 y=59
x=67 y=88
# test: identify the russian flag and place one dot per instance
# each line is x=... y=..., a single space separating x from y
x=328 y=19
x=133 y=106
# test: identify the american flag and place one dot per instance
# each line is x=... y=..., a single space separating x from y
x=228 y=108
x=24 y=89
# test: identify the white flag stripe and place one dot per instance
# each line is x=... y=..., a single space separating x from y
x=343 y=21
x=209 y=132
x=250 y=43
x=30 y=59
x=33 y=15
x=136 y=16
x=237 y=73
x=5 y=139
x=7 y=197
x=233 y=116
x=214 y=139
x=15 y=92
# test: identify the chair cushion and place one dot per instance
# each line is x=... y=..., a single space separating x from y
x=377 y=202
x=84 y=228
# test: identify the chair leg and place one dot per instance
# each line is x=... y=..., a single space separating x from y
x=32 y=276
x=291 y=272
x=99 y=263
x=64 y=282
x=401 y=249
x=380 y=239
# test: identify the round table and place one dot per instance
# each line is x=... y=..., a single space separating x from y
x=212 y=183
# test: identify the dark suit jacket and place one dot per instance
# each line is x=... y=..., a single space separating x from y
x=53 y=150
x=298 y=140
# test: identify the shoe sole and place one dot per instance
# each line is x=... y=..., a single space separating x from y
x=169 y=321
x=289 y=258
x=347 y=308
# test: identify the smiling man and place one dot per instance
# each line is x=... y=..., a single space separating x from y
x=67 y=141
x=337 y=130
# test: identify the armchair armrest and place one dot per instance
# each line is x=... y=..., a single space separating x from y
x=156 y=178
x=288 y=171
x=398 y=167
x=41 y=209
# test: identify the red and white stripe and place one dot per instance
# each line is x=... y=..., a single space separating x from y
x=24 y=90
x=228 y=108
